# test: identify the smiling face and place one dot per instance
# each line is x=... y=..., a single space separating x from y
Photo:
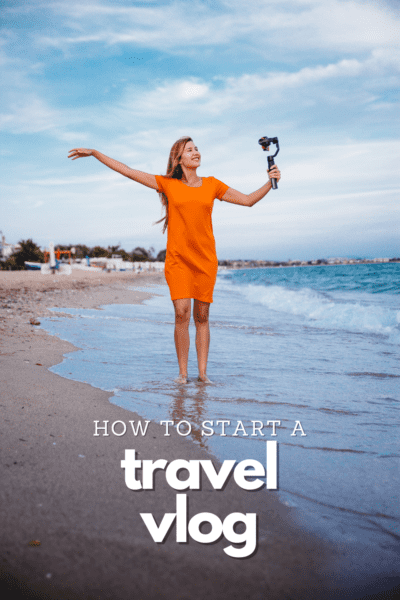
x=190 y=156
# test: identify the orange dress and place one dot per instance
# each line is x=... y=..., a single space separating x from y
x=191 y=261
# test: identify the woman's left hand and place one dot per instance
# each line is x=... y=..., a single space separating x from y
x=274 y=173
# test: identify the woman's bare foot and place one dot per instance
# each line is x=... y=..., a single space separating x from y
x=203 y=379
x=181 y=379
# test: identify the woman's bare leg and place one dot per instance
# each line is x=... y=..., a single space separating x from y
x=181 y=335
x=200 y=314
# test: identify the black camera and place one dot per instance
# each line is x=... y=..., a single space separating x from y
x=265 y=142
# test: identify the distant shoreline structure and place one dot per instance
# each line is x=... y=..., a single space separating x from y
x=252 y=264
x=29 y=256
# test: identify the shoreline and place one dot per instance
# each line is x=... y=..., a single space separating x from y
x=265 y=264
x=65 y=489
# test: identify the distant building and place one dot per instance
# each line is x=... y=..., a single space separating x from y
x=6 y=249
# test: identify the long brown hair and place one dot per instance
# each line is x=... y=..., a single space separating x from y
x=174 y=171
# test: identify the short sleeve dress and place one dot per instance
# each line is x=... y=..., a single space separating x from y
x=191 y=261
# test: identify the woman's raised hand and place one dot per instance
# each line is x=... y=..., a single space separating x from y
x=79 y=153
x=139 y=176
x=274 y=173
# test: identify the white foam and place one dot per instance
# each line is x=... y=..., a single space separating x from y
x=323 y=311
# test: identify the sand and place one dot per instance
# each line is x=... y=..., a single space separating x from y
x=70 y=527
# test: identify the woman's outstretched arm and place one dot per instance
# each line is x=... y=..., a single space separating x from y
x=235 y=197
x=139 y=176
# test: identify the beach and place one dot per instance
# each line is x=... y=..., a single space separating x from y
x=70 y=526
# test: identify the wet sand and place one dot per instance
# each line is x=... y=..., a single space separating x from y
x=70 y=528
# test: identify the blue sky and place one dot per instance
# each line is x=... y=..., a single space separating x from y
x=129 y=78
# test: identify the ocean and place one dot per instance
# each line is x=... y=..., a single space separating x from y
x=317 y=345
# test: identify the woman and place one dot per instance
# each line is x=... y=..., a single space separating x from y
x=191 y=261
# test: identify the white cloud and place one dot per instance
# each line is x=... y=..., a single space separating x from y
x=359 y=163
x=23 y=110
x=109 y=176
x=29 y=114
x=189 y=90
x=250 y=91
x=26 y=111
x=335 y=25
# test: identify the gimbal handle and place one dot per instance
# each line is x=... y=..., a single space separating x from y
x=271 y=163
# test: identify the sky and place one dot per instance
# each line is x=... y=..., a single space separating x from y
x=128 y=78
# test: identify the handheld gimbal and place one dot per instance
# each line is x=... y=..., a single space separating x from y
x=265 y=142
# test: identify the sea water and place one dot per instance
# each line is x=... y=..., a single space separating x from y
x=317 y=344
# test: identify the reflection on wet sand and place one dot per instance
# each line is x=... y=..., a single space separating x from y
x=191 y=408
